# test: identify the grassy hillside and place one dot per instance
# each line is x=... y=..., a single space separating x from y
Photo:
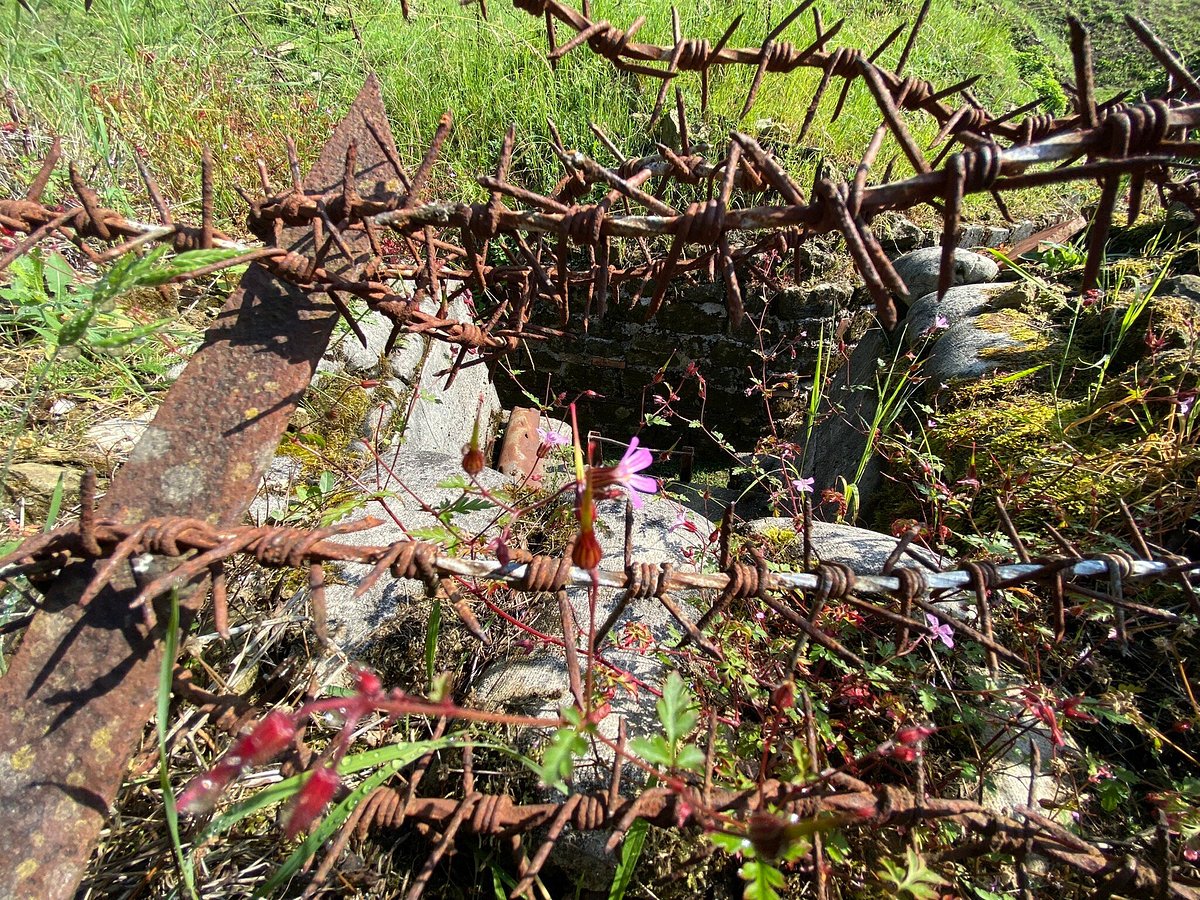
x=1121 y=62
x=164 y=79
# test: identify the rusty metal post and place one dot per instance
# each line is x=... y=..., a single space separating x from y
x=82 y=686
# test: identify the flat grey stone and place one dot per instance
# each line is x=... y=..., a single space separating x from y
x=863 y=550
x=839 y=440
x=977 y=338
x=442 y=418
x=355 y=622
x=275 y=492
x=349 y=350
x=117 y=437
x=919 y=269
x=960 y=304
x=1187 y=286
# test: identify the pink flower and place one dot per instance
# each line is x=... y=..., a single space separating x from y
x=940 y=323
x=803 y=485
x=552 y=438
x=625 y=474
x=940 y=630
x=682 y=521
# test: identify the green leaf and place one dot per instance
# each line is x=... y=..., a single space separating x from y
x=761 y=880
x=180 y=264
x=559 y=760
x=676 y=709
x=631 y=851
x=431 y=638
x=58 y=275
x=55 y=505
x=690 y=757
x=731 y=843
x=654 y=750
x=437 y=534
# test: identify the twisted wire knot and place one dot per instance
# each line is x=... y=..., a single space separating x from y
x=844 y=62
x=609 y=43
x=781 y=57
x=974 y=119
x=644 y=580
x=467 y=334
x=399 y=311
x=913 y=583
x=285 y=546
x=490 y=813
x=95 y=223
x=292 y=266
x=834 y=580
x=914 y=92
x=161 y=536
x=743 y=581
x=292 y=206
x=1135 y=129
x=1117 y=561
x=982 y=166
x=630 y=167
x=694 y=54
x=28 y=214
x=187 y=237
x=546 y=573
x=703 y=223
x=583 y=224
x=983 y=574
x=1036 y=128
x=416 y=560
x=483 y=220
x=590 y=812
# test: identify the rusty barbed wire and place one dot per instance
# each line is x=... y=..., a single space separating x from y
x=1101 y=141
x=278 y=546
x=838 y=799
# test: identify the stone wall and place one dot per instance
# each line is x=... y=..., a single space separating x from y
x=622 y=354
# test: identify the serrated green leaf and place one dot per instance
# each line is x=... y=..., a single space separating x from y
x=761 y=880
x=559 y=760
x=731 y=843
x=654 y=750
x=691 y=758
x=676 y=709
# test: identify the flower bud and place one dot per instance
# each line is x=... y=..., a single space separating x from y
x=784 y=696
x=202 y=792
x=367 y=683
x=472 y=461
x=269 y=738
x=587 y=553
x=310 y=802
x=913 y=734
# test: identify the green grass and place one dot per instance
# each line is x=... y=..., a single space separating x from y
x=166 y=79
x=1120 y=60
